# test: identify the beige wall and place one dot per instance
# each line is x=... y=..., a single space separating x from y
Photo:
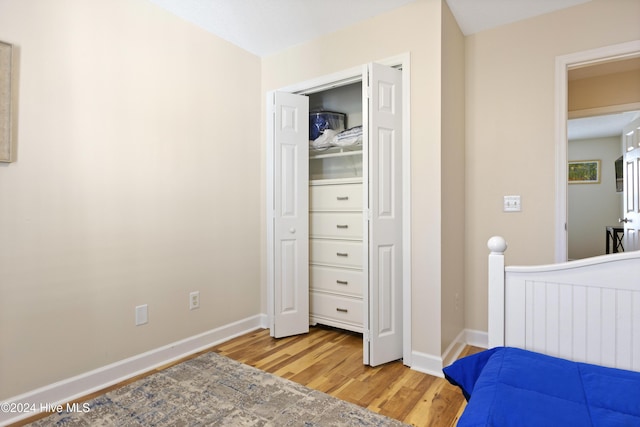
x=603 y=91
x=453 y=179
x=137 y=181
x=510 y=131
x=415 y=28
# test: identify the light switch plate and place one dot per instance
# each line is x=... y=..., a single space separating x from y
x=512 y=204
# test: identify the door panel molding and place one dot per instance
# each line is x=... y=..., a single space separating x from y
x=290 y=215
x=631 y=135
x=385 y=204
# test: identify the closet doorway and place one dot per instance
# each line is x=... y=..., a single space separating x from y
x=337 y=220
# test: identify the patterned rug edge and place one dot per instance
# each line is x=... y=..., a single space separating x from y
x=213 y=390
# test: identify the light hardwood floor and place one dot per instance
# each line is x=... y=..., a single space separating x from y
x=330 y=360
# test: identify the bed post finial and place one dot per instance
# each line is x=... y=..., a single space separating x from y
x=497 y=245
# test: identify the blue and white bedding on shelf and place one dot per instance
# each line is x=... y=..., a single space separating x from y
x=331 y=138
x=507 y=386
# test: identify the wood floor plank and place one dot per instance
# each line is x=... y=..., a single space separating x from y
x=405 y=394
x=331 y=361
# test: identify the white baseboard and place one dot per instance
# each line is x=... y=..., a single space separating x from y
x=61 y=392
x=476 y=338
x=455 y=348
x=427 y=364
x=432 y=365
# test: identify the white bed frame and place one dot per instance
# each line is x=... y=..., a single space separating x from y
x=586 y=310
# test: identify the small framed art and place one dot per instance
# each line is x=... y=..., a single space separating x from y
x=584 y=172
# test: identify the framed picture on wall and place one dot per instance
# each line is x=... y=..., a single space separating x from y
x=584 y=172
x=7 y=117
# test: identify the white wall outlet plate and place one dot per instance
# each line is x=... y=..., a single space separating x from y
x=194 y=300
x=142 y=315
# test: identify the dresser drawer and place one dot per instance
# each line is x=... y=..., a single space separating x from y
x=337 y=225
x=335 y=197
x=336 y=280
x=334 y=307
x=335 y=252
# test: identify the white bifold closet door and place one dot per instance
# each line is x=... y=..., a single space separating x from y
x=382 y=174
x=385 y=214
x=291 y=215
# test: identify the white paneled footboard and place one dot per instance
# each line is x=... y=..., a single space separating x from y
x=586 y=310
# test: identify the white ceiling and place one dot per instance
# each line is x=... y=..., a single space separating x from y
x=474 y=16
x=599 y=126
x=264 y=27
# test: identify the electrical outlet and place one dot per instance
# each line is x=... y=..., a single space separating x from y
x=142 y=315
x=194 y=300
x=457 y=301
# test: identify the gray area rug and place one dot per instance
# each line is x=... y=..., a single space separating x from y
x=213 y=390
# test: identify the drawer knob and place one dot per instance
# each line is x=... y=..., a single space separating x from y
x=342 y=282
x=292 y=230
x=343 y=197
x=342 y=254
x=342 y=225
x=342 y=310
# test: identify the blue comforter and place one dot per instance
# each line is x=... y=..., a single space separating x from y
x=507 y=386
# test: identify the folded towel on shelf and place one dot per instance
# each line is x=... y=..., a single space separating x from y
x=348 y=137
x=331 y=138
x=354 y=131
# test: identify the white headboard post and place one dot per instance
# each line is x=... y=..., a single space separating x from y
x=497 y=245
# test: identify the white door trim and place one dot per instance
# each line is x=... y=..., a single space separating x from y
x=340 y=78
x=563 y=63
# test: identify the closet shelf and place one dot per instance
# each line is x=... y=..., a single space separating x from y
x=336 y=152
x=330 y=181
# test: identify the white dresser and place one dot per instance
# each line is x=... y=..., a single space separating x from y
x=336 y=251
